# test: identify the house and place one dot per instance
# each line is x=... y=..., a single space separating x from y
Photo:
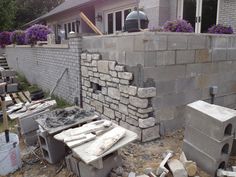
x=109 y=15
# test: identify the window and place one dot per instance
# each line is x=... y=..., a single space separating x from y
x=116 y=20
x=66 y=31
x=110 y=23
x=69 y=27
x=73 y=26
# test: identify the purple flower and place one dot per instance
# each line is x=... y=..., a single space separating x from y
x=36 y=33
x=221 y=29
x=18 y=37
x=5 y=39
x=178 y=26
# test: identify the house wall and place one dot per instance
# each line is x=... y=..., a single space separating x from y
x=44 y=65
x=227 y=13
x=145 y=79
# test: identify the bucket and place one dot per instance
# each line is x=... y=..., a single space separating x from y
x=10 y=159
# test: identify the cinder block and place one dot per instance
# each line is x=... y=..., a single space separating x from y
x=31 y=138
x=212 y=147
x=28 y=124
x=11 y=88
x=214 y=121
x=176 y=42
x=109 y=162
x=204 y=161
x=233 y=150
x=219 y=54
x=8 y=73
x=197 y=42
x=185 y=56
x=134 y=58
x=53 y=151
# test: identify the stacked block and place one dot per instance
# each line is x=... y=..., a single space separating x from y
x=9 y=76
x=209 y=135
x=53 y=151
x=80 y=169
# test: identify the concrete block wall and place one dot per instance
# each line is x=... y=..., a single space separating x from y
x=182 y=67
x=44 y=65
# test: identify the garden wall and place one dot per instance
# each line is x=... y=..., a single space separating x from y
x=182 y=68
x=140 y=80
x=44 y=65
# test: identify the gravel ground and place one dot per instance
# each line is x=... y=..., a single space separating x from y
x=136 y=157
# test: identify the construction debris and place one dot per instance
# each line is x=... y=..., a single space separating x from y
x=223 y=173
x=190 y=166
x=162 y=170
x=177 y=168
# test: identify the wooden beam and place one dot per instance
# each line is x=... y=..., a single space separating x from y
x=90 y=24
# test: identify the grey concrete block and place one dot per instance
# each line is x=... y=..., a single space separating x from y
x=202 y=56
x=203 y=160
x=110 y=162
x=150 y=59
x=185 y=56
x=176 y=42
x=165 y=58
x=134 y=58
x=231 y=54
x=214 y=148
x=214 y=121
x=8 y=73
x=197 y=42
x=11 y=88
x=150 y=134
x=30 y=138
x=219 y=54
x=53 y=150
x=28 y=124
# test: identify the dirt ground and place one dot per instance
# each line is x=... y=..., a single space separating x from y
x=136 y=157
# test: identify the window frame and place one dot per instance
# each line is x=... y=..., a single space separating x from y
x=114 y=11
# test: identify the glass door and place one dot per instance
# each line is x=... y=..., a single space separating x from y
x=202 y=14
x=189 y=11
x=209 y=14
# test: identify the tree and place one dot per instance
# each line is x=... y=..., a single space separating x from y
x=7 y=14
x=28 y=10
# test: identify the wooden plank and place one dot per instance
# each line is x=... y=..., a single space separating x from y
x=27 y=95
x=22 y=97
x=14 y=95
x=89 y=23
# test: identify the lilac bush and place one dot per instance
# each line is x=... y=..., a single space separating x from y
x=178 y=26
x=18 y=37
x=221 y=29
x=36 y=33
x=5 y=39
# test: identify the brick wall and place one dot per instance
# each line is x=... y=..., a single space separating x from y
x=227 y=14
x=44 y=65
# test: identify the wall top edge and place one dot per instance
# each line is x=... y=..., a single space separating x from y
x=160 y=34
x=56 y=46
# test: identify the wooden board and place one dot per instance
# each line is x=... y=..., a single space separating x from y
x=22 y=97
x=27 y=95
x=81 y=153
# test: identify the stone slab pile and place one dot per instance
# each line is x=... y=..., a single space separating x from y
x=107 y=88
x=9 y=76
x=209 y=135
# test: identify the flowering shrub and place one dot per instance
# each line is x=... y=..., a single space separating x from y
x=18 y=37
x=5 y=39
x=178 y=26
x=36 y=33
x=221 y=29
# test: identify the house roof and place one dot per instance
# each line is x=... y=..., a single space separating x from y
x=68 y=4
